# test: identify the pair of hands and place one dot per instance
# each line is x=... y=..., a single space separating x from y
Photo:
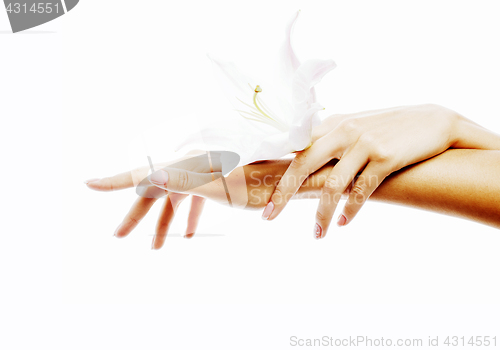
x=373 y=144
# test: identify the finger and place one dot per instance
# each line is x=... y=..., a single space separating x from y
x=183 y=181
x=304 y=164
x=132 y=178
x=337 y=182
x=118 y=182
x=365 y=185
x=197 y=204
x=167 y=214
x=138 y=210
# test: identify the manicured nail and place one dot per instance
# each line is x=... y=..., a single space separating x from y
x=268 y=211
x=86 y=182
x=342 y=220
x=318 y=231
x=159 y=178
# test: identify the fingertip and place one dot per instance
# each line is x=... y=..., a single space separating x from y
x=342 y=220
x=86 y=182
x=189 y=235
x=318 y=231
x=93 y=184
x=268 y=210
x=120 y=232
x=158 y=241
x=103 y=184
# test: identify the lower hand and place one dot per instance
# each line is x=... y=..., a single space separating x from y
x=143 y=204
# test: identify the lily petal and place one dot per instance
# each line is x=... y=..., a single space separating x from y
x=289 y=62
x=306 y=77
x=237 y=86
x=220 y=134
x=301 y=132
x=248 y=141
x=305 y=116
x=272 y=147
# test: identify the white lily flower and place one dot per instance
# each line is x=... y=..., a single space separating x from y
x=256 y=131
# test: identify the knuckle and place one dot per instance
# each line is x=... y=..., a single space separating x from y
x=381 y=153
x=331 y=184
x=183 y=180
x=298 y=162
x=322 y=217
x=367 y=139
x=109 y=184
x=358 y=193
x=133 y=221
x=349 y=125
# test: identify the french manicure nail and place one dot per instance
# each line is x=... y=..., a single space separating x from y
x=268 y=211
x=317 y=231
x=342 y=220
x=86 y=182
x=159 y=178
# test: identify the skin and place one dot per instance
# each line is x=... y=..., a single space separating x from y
x=148 y=198
x=374 y=144
x=447 y=183
x=391 y=139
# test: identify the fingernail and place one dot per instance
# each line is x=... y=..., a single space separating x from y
x=268 y=211
x=342 y=220
x=86 y=182
x=116 y=231
x=317 y=231
x=159 y=178
x=153 y=243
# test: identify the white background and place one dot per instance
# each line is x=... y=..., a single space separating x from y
x=78 y=92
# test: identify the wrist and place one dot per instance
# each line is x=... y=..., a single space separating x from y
x=469 y=135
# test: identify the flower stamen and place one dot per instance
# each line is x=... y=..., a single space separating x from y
x=255 y=101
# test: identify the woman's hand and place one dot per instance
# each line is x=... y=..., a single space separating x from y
x=143 y=204
x=373 y=144
x=248 y=187
x=448 y=183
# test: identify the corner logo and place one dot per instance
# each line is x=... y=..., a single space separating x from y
x=26 y=14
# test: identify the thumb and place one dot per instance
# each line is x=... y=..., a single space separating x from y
x=208 y=185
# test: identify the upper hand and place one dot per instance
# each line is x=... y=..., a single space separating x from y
x=372 y=143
